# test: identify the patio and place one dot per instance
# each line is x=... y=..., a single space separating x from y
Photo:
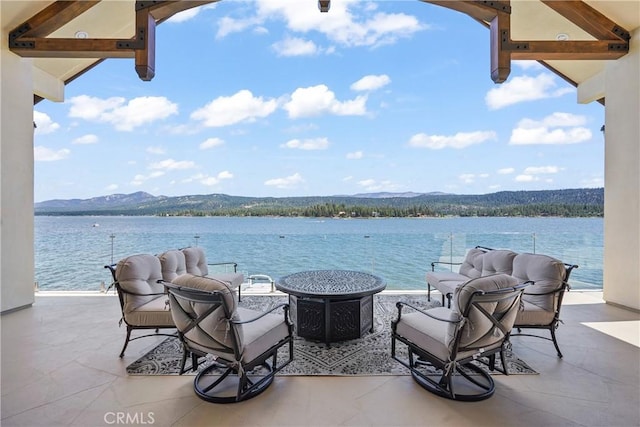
x=60 y=366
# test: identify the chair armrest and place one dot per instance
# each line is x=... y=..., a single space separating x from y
x=562 y=288
x=234 y=264
x=433 y=264
x=283 y=305
x=399 y=304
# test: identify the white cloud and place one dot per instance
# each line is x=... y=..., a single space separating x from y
x=467 y=178
x=184 y=16
x=355 y=155
x=524 y=88
x=210 y=181
x=506 y=171
x=286 y=182
x=317 y=100
x=44 y=124
x=307 y=144
x=532 y=173
x=350 y=23
x=210 y=143
x=537 y=170
x=371 y=82
x=170 y=164
x=237 y=108
x=44 y=154
x=156 y=150
x=139 y=179
x=111 y=187
x=459 y=140
x=374 y=185
x=123 y=115
x=293 y=46
x=86 y=139
x=549 y=130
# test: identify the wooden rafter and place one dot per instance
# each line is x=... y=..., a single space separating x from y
x=589 y=19
x=30 y=39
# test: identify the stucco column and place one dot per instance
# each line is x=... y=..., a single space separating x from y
x=16 y=181
x=622 y=179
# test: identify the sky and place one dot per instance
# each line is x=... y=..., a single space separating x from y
x=273 y=98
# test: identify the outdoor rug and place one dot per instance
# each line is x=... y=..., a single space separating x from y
x=369 y=355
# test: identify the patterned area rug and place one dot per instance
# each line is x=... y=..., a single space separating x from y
x=369 y=355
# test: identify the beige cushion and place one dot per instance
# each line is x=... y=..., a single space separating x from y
x=196 y=261
x=546 y=272
x=533 y=315
x=154 y=313
x=498 y=261
x=472 y=265
x=445 y=281
x=139 y=274
x=261 y=334
x=233 y=280
x=173 y=264
x=478 y=325
x=214 y=333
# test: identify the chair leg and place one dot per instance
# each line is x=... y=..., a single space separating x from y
x=126 y=341
x=428 y=292
x=555 y=341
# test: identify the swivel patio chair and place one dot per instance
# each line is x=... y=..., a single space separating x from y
x=239 y=339
x=196 y=264
x=443 y=342
x=542 y=300
x=143 y=301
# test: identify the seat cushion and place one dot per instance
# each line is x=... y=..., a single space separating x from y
x=430 y=334
x=233 y=280
x=261 y=334
x=533 y=315
x=445 y=281
x=154 y=313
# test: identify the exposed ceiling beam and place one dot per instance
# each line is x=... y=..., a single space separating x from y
x=52 y=17
x=589 y=19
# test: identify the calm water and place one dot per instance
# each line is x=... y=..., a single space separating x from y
x=70 y=252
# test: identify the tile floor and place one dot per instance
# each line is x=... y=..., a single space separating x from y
x=60 y=367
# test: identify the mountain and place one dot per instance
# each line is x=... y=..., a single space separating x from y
x=569 y=202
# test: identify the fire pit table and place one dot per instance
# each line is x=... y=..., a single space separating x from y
x=331 y=305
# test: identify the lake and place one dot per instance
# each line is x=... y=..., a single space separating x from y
x=71 y=252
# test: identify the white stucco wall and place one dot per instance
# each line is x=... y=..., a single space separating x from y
x=622 y=179
x=16 y=181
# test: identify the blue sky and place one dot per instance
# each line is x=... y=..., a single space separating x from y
x=274 y=98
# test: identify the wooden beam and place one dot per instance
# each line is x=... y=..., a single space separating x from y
x=51 y=18
x=569 y=50
x=589 y=19
x=70 y=48
x=480 y=10
x=499 y=27
x=146 y=35
x=162 y=10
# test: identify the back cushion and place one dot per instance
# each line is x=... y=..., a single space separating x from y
x=546 y=272
x=173 y=264
x=478 y=325
x=139 y=274
x=498 y=261
x=472 y=264
x=213 y=329
x=196 y=261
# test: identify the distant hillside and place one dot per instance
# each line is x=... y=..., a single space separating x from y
x=570 y=202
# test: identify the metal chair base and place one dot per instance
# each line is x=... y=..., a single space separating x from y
x=230 y=387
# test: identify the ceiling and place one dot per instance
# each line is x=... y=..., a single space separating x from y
x=530 y=20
